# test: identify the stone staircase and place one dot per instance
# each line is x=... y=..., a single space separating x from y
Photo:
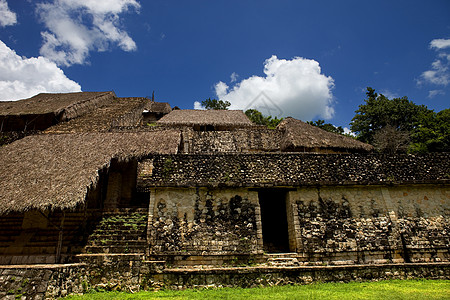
x=282 y=259
x=120 y=231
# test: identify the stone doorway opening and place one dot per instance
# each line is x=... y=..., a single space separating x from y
x=274 y=220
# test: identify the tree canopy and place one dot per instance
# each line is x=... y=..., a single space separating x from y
x=258 y=118
x=399 y=125
x=215 y=104
x=432 y=134
x=327 y=126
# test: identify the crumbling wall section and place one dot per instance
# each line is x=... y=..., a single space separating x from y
x=234 y=141
x=202 y=222
x=374 y=224
x=423 y=221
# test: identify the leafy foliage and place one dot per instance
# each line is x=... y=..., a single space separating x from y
x=378 y=112
x=258 y=118
x=399 y=125
x=432 y=133
x=327 y=126
x=215 y=104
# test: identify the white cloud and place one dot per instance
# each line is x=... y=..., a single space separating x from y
x=198 y=105
x=22 y=77
x=434 y=93
x=221 y=89
x=440 y=43
x=7 y=17
x=293 y=87
x=76 y=27
x=439 y=72
x=234 y=77
x=388 y=94
x=348 y=131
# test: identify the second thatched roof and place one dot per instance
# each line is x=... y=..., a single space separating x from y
x=158 y=107
x=55 y=171
x=115 y=112
x=70 y=104
x=300 y=135
x=192 y=117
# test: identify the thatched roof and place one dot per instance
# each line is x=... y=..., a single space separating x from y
x=115 y=112
x=50 y=103
x=158 y=107
x=55 y=171
x=191 y=117
x=45 y=110
x=300 y=135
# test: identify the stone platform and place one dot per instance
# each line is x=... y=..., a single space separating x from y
x=131 y=273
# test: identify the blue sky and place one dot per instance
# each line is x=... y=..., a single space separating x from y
x=306 y=59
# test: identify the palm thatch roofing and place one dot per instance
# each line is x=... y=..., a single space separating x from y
x=158 y=107
x=115 y=112
x=51 y=103
x=56 y=170
x=300 y=135
x=45 y=110
x=191 y=117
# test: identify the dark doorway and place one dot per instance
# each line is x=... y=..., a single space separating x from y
x=274 y=220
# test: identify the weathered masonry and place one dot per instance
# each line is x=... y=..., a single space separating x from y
x=209 y=209
x=98 y=191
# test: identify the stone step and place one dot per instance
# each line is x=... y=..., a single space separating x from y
x=124 y=223
x=288 y=254
x=100 y=258
x=117 y=243
x=127 y=222
x=282 y=259
x=117 y=228
x=132 y=237
x=141 y=217
x=121 y=226
x=114 y=249
x=119 y=231
x=125 y=211
x=116 y=238
x=124 y=217
x=27 y=259
x=117 y=234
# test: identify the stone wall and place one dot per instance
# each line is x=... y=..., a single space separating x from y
x=332 y=224
x=235 y=141
x=373 y=224
x=203 y=222
x=266 y=276
x=267 y=170
x=131 y=274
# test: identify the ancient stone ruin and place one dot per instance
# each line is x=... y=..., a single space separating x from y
x=101 y=192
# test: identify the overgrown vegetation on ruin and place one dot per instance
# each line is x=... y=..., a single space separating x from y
x=389 y=289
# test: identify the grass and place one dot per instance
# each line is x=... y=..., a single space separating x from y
x=389 y=289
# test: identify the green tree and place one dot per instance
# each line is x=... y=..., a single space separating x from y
x=399 y=114
x=215 y=104
x=327 y=126
x=258 y=118
x=432 y=133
